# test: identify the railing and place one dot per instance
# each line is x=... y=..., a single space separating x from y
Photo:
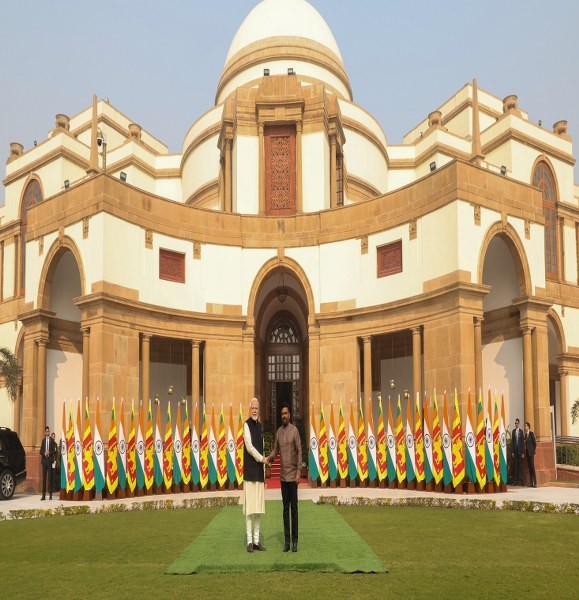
x=567 y=449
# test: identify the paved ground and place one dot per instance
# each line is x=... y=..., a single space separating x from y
x=550 y=494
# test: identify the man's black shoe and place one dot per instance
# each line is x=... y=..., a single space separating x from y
x=295 y=547
x=250 y=547
x=258 y=546
x=43 y=498
x=286 y=547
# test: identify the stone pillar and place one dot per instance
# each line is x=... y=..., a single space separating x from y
x=85 y=361
x=333 y=162
x=478 y=362
x=417 y=360
x=367 y=344
x=195 y=373
x=299 y=195
x=261 y=170
x=541 y=414
x=41 y=391
x=146 y=367
x=564 y=407
x=528 y=372
x=228 y=178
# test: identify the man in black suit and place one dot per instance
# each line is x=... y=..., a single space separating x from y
x=48 y=456
x=518 y=453
x=531 y=446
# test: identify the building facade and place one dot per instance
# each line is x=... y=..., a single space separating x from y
x=290 y=252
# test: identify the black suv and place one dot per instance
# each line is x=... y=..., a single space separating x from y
x=12 y=462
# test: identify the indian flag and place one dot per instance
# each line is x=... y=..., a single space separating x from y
x=113 y=455
x=457 y=445
x=140 y=450
x=186 y=453
x=239 y=447
x=470 y=442
x=314 y=462
x=428 y=461
x=446 y=446
x=204 y=452
x=221 y=452
x=77 y=451
x=410 y=449
x=352 y=447
x=437 y=459
x=132 y=453
x=371 y=441
x=342 y=446
x=168 y=450
x=212 y=453
x=177 y=449
x=481 y=469
x=323 y=446
x=63 y=450
x=87 y=452
x=99 y=452
x=381 y=460
x=489 y=452
x=122 y=464
x=230 y=447
x=149 y=450
x=418 y=441
x=158 y=448
x=391 y=440
x=503 y=442
x=400 y=445
x=332 y=447
x=195 y=450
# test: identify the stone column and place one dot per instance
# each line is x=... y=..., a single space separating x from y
x=146 y=367
x=367 y=343
x=333 y=161
x=528 y=372
x=478 y=362
x=41 y=390
x=228 y=178
x=564 y=407
x=261 y=170
x=195 y=345
x=299 y=198
x=417 y=360
x=541 y=415
x=85 y=361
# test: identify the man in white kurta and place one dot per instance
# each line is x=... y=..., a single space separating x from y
x=253 y=476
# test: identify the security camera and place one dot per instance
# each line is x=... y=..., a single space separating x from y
x=100 y=140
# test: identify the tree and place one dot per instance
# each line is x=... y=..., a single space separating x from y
x=9 y=371
x=575 y=412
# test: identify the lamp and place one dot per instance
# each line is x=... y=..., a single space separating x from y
x=432 y=166
x=503 y=170
x=281 y=289
x=291 y=71
x=123 y=176
x=66 y=184
x=266 y=72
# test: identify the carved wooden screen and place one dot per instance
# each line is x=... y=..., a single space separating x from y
x=543 y=179
x=280 y=170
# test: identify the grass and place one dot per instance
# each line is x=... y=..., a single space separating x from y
x=432 y=553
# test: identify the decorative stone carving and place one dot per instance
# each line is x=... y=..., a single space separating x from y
x=62 y=122
x=477 y=212
x=435 y=119
x=135 y=132
x=171 y=266
x=390 y=259
x=85 y=228
x=510 y=103
x=280 y=172
x=412 y=229
x=527 y=229
x=197 y=250
x=560 y=127
x=364 y=244
x=148 y=238
x=16 y=150
x=40 y=246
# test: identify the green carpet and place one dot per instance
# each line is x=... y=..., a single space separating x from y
x=326 y=544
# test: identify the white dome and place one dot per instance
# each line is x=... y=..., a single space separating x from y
x=280 y=18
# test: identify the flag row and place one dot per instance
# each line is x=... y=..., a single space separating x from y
x=424 y=447
x=151 y=455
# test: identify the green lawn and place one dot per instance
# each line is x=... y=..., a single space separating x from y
x=430 y=553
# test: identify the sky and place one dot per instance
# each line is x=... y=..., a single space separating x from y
x=159 y=62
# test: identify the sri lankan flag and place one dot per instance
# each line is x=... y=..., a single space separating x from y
x=496 y=443
x=99 y=452
x=221 y=452
x=381 y=461
x=391 y=441
x=342 y=446
x=78 y=475
x=400 y=445
x=410 y=448
x=149 y=450
x=352 y=447
x=457 y=445
x=231 y=450
x=239 y=446
x=470 y=442
x=437 y=459
x=418 y=441
x=428 y=460
x=481 y=469
x=87 y=452
x=332 y=447
x=186 y=457
x=503 y=442
x=132 y=453
x=204 y=452
x=362 y=448
x=446 y=445
x=113 y=455
x=70 y=455
x=168 y=451
x=323 y=445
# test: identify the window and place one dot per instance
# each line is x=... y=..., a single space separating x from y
x=339 y=180
x=280 y=170
x=390 y=259
x=32 y=196
x=171 y=266
x=544 y=180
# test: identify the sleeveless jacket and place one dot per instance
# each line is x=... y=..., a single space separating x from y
x=252 y=470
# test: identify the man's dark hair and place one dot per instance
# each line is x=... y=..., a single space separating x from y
x=528 y=424
x=286 y=406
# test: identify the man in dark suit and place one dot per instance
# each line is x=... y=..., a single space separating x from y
x=518 y=453
x=531 y=446
x=48 y=456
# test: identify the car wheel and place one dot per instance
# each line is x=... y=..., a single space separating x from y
x=7 y=485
